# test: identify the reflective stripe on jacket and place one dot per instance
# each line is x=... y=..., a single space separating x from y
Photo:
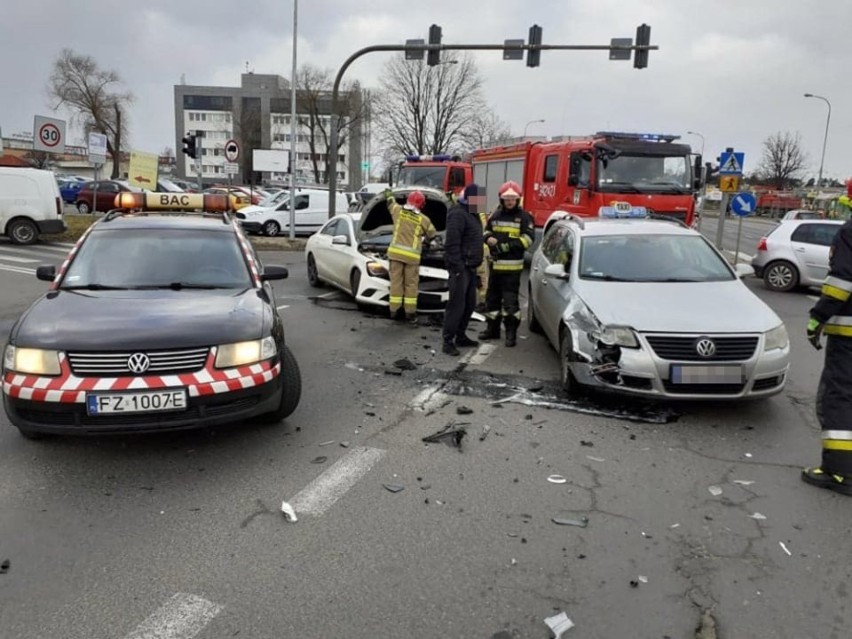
x=834 y=306
x=409 y=228
x=513 y=230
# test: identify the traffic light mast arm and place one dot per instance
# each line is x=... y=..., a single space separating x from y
x=332 y=178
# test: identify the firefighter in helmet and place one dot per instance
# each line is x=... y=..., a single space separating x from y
x=410 y=227
x=508 y=234
x=832 y=316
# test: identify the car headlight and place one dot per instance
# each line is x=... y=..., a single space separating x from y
x=377 y=269
x=619 y=336
x=31 y=361
x=776 y=338
x=244 y=353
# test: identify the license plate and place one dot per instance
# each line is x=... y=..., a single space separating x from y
x=720 y=374
x=142 y=402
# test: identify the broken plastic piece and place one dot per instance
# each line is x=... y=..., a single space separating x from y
x=586 y=443
x=557 y=479
x=319 y=460
x=289 y=512
x=743 y=482
x=582 y=522
x=394 y=488
x=344 y=444
x=448 y=435
x=785 y=549
x=559 y=624
x=485 y=430
x=393 y=371
x=4 y=567
x=328 y=443
x=405 y=365
x=715 y=490
x=757 y=516
x=749 y=455
x=464 y=410
x=595 y=459
x=643 y=579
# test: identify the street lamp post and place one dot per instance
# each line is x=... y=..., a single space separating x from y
x=825 y=139
x=702 y=140
x=703 y=179
x=527 y=125
x=293 y=127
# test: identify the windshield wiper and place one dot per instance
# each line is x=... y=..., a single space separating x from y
x=92 y=287
x=607 y=278
x=674 y=279
x=674 y=187
x=177 y=286
x=627 y=187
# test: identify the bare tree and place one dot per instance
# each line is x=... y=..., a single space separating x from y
x=783 y=160
x=90 y=93
x=488 y=130
x=428 y=110
x=39 y=159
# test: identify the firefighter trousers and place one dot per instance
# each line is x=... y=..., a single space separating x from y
x=404 y=282
x=834 y=406
x=502 y=297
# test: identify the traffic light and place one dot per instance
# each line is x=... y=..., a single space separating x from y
x=534 y=55
x=643 y=39
x=433 y=57
x=189 y=145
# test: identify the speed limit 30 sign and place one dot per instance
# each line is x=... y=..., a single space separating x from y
x=48 y=134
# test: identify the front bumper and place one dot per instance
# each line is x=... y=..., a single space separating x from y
x=642 y=372
x=51 y=226
x=432 y=295
x=251 y=227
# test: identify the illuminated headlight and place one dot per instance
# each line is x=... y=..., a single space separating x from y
x=377 y=269
x=31 y=361
x=244 y=353
x=619 y=336
x=776 y=338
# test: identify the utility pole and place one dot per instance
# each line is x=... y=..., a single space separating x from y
x=292 y=205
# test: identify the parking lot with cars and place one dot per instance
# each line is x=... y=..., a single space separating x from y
x=551 y=502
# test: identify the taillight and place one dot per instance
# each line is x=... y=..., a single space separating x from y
x=761 y=246
x=59 y=206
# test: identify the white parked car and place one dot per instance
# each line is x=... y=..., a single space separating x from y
x=650 y=308
x=311 y=213
x=349 y=252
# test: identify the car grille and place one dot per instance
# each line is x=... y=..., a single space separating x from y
x=683 y=348
x=161 y=362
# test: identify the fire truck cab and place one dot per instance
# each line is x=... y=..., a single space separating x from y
x=582 y=174
x=444 y=172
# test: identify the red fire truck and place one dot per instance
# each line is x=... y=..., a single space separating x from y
x=582 y=174
x=444 y=172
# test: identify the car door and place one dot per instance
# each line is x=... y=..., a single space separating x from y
x=322 y=250
x=811 y=243
x=315 y=214
x=340 y=256
x=540 y=284
x=106 y=195
x=556 y=292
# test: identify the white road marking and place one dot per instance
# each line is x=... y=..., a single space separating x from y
x=17 y=269
x=813 y=297
x=329 y=294
x=282 y=307
x=478 y=356
x=182 y=617
x=322 y=492
x=428 y=399
x=22 y=260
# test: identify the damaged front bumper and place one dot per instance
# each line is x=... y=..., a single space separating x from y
x=433 y=289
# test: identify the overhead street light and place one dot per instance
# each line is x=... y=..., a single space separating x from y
x=528 y=124
x=700 y=136
x=825 y=139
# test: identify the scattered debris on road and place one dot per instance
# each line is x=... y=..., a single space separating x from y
x=4 y=567
x=643 y=579
x=452 y=435
x=715 y=490
x=595 y=459
x=559 y=624
x=405 y=364
x=394 y=488
x=319 y=460
x=464 y=410
x=328 y=443
x=586 y=443
x=757 y=516
x=289 y=512
x=557 y=479
x=485 y=430
x=785 y=549
x=582 y=522
x=344 y=444
x=743 y=482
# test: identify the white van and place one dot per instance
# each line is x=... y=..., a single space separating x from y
x=30 y=204
x=311 y=213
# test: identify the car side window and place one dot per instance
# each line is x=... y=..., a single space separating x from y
x=552 y=242
x=550 y=164
x=332 y=228
x=565 y=253
x=819 y=234
x=302 y=202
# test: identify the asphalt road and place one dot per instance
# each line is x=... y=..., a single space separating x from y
x=179 y=536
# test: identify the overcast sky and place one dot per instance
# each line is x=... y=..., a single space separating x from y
x=733 y=70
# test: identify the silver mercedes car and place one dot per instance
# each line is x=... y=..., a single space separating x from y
x=649 y=307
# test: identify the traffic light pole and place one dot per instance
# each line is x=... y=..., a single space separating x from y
x=199 y=162
x=332 y=181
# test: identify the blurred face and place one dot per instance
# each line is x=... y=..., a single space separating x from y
x=510 y=202
x=476 y=203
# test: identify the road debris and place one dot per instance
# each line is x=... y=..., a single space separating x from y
x=451 y=435
x=785 y=549
x=485 y=430
x=394 y=488
x=328 y=443
x=289 y=512
x=749 y=455
x=344 y=444
x=559 y=624
x=557 y=479
x=464 y=410
x=675 y=526
x=319 y=460
x=743 y=482
x=586 y=443
x=393 y=371
x=405 y=365
x=643 y=579
x=595 y=459
x=757 y=516
x=582 y=522
x=706 y=627
x=634 y=583
x=4 y=567
x=715 y=490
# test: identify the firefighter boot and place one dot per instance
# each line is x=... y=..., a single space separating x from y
x=511 y=331
x=823 y=479
x=492 y=329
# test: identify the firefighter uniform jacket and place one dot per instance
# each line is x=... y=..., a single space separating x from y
x=513 y=229
x=409 y=228
x=834 y=307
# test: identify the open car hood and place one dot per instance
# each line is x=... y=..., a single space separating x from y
x=376 y=218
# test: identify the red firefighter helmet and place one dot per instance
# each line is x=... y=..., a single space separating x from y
x=416 y=201
x=510 y=189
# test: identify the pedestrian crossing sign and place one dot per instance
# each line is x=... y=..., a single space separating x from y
x=731 y=163
x=729 y=183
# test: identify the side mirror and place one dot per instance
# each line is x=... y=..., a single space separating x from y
x=340 y=240
x=274 y=273
x=573 y=180
x=698 y=173
x=556 y=271
x=743 y=270
x=46 y=273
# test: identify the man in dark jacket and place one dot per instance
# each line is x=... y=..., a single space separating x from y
x=832 y=315
x=463 y=253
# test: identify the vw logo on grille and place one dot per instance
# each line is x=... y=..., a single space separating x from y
x=705 y=347
x=138 y=363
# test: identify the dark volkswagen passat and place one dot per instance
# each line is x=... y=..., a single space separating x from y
x=154 y=322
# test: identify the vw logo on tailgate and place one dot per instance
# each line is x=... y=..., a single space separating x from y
x=138 y=363
x=705 y=347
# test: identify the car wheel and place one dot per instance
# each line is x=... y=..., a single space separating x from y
x=532 y=320
x=83 y=208
x=271 y=228
x=313 y=275
x=566 y=377
x=291 y=392
x=22 y=232
x=781 y=276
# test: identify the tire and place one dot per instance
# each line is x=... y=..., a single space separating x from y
x=313 y=275
x=23 y=232
x=83 y=208
x=781 y=276
x=271 y=228
x=566 y=377
x=291 y=392
x=532 y=320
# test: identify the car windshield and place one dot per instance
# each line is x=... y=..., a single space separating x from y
x=644 y=174
x=152 y=258
x=651 y=258
x=422 y=176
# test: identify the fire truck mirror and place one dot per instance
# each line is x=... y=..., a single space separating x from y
x=697 y=174
x=573 y=179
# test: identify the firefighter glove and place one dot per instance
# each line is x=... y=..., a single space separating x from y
x=815 y=332
x=504 y=247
